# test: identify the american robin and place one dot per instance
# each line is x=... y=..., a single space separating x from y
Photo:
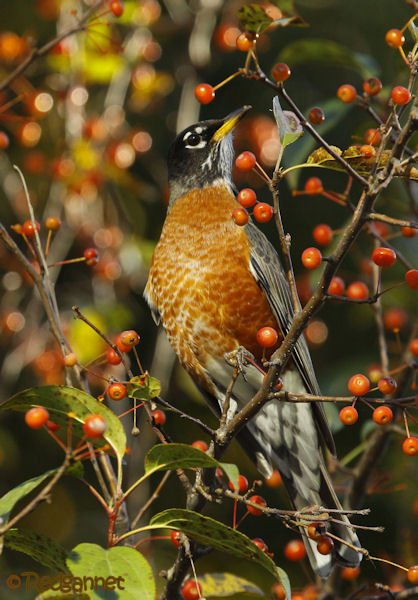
x=213 y=285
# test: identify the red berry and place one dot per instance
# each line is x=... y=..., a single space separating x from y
x=372 y=137
x=394 y=319
x=280 y=72
x=70 y=360
x=244 y=42
x=242 y=484
x=275 y=479
x=113 y=357
x=383 y=257
x=117 y=391
x=336 y=287
x=357 y=291
x=278 y=591
x=92 y=256
x=395 y=38
x=350 y=573
x=295 y=550
x=347 y=93
x=313 y=186
x=200 y=445
x=261 y=544
x=36 y=417
x=204 y=93
x=158 y=417
x=116 y=8
x=191 y=590
x=372 y=86
x=129 y=338
x=413 y=347
x=94 y=426
x=348 y=415
x=52 y=223
x=240 y=216
x=400 y=95
x=175 y=537
x=245 y=161
x=411 y=278
x=410 y=446
x=247 y=197
x=387 y=385
x=311 y=258
x=267 y=337
x=4 y=140
x=324 y=545
x=316 y=115
x=263 y=212
x=322 y=234
x=367 y=150
x=29 y=228
x=412 y=574
x=382 y=415
x=121 y=346
x=409 y=231
x=256 y=500
x=358 y=384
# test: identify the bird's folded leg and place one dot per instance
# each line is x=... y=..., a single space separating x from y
x=239 y=359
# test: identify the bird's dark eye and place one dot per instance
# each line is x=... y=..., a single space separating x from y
x=193 y=139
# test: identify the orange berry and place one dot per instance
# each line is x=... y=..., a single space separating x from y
x=322 y=234
x=175 y=537
x=247 y=197
x=263 y=212
x=278 y=591
x=204 y=93
x=113 y=357
x=280 y=72
x=383 y=257
x=191 y=590
x=410 y=446
x=350 y=573
x=295 y=550
x=261 y=544
x=348 y=415
x=313 y=186
x=275 y=480
x=357 y=291
x=200 y=445
x=400 y=95
x=158 y=417
x=70 y=359
x=244 y=42
x=242 y=484
x=129 y=338
x=372 y=137
x=117 y=391
x=325 y=545
x=395 y=38
x=387 y=385
x=240 y=216
x=394 y=319
x=92 y=256
x=372 y=86
x=117 y=8
x=267 y=337
x=316 y=115
x=36 y=417
x=94 y=426
x=52 y=223
x=29 y=228
x=336 y=287
x=413 y=347
x=358 y=384
x=367 y=150
x=256 y=500
x=411 y=278
x=409 y=231
x=314 y=531
x=347 y=93
x=382 y=415
x=311 y=258
x=245 y=161
x=412 y=574
x=4 y=140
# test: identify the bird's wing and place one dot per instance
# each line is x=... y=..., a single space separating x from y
x=266 y=268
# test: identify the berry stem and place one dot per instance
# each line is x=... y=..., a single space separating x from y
x=226 y=80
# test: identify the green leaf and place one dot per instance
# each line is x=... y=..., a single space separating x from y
x=8 y=501
x=329 y=53
x=218 y=536
x=61 y=400
x=219 y=585
x=41 y=548
x=253 y=18
x=126 y=572
x=167 y=457
x=144 y=387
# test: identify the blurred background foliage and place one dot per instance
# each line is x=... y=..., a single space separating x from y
x=89 y=125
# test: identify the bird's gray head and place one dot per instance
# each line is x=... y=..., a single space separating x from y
x=202 y=155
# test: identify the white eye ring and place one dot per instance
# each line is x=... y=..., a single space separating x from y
x=194 y=134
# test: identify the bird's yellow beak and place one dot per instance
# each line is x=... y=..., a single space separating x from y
x=229 y=123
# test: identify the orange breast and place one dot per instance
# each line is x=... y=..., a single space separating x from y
x=201 y=283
